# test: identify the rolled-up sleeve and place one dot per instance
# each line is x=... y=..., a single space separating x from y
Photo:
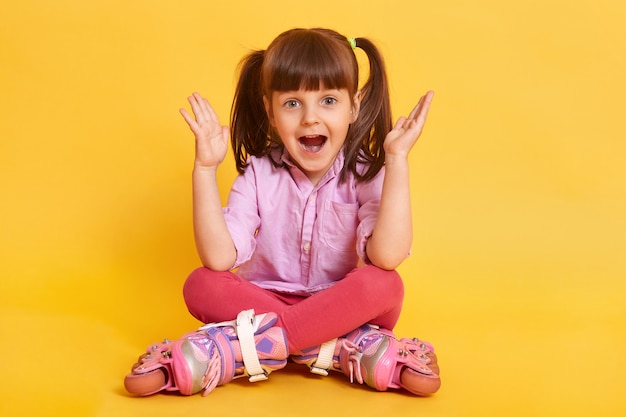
x=242 y=216
x=369 y=206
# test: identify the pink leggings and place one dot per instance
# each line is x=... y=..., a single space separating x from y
x=366 y=295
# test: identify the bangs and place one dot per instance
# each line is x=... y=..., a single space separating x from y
x=310 y=60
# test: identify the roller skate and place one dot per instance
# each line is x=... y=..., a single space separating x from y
x=377 y=358
x=213 y=355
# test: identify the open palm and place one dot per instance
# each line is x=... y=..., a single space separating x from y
x=211 y=136
x=400 y=140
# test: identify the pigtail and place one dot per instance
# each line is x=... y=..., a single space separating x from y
x=367 y=134
x=248 y=119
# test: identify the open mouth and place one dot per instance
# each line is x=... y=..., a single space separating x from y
x=312 y=143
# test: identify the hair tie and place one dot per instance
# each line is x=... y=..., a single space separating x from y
x=352 y=42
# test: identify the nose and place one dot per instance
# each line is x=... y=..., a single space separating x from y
x=309 y=116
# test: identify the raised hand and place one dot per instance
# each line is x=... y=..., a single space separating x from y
x=400 y=140
x=211 y=136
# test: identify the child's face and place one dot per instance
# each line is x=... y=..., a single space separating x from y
x=312 y=125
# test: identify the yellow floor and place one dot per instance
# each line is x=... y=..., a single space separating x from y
x=514 y=362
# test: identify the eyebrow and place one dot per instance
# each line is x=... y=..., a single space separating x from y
x=322 y=90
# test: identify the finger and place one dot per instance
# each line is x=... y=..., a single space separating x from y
x=400 y=123
x=422 y=105
x=202 y=102
x=196 y=107
x=190 y=120
x=210 y=113
x=421 y=111
x=225 y=133
x=416 y=109
x=425 y=103
x=207 y=110
x=421 y=116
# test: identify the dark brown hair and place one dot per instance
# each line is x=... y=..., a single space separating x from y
x=309 y=59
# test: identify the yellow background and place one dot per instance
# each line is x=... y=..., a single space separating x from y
x=518 y=268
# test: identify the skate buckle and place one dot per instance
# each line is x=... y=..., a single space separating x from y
x=258 y=377
x=324 y=358
x=318 y=371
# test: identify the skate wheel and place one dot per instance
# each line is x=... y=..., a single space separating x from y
x=145 y=384
x=419 y=384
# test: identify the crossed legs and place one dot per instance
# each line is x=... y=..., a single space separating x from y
x=366 y=295
x=297 y=327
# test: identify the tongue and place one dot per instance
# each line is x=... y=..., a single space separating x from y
x=312 y=143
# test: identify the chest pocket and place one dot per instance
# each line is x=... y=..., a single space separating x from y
x=339 y=224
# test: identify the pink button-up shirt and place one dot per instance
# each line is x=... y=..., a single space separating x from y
x=298 y=238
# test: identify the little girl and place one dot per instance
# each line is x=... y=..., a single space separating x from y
x=301 y=262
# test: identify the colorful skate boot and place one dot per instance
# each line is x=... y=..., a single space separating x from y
x=211 y=356
x=377 y=358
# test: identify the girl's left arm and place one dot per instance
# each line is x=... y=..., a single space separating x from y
x=392 y=236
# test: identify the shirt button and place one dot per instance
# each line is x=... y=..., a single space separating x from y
x=307 y=247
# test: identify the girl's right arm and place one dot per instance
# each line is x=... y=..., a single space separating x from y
x=213 y=241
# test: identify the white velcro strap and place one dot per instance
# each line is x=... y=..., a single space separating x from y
x=324 y=358
x=246 y=326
